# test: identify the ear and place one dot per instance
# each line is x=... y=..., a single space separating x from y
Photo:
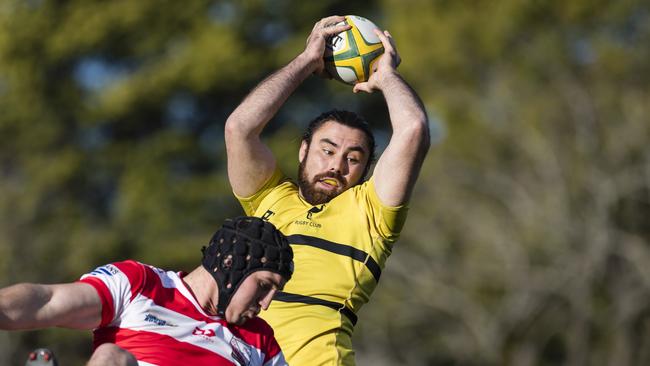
x=303 y=150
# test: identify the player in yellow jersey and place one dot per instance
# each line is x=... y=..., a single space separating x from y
x=341 y=227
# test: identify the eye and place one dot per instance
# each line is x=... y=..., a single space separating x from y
x=327 y=152
x=353 y=160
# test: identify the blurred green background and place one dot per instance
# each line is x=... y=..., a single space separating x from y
x=529 y=231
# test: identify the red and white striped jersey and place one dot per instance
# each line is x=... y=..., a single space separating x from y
x=152 y=314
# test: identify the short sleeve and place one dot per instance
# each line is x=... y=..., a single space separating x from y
x=250 y=204
x=389 y=221
x=117 y=284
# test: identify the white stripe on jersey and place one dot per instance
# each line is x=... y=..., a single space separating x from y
x=117 y=283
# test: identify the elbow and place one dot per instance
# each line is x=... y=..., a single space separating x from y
x=425 y=134
x=421 y=136
x=420 y=133
x=231 y=127
x=239 y=129
x=426 y=138
x=234 y=130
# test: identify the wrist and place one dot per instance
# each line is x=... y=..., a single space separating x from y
x=309 y=61
x=385 y=79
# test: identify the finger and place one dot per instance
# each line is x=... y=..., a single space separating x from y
x=336 y=29
x=326 y=32
x=398 y=59
x=331 y=20
x=390 y=39
x=327 y=22
x=385 y=41
x=389 y=46
x=362 y=87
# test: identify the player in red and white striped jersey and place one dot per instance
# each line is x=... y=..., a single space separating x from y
x=166 y=318
x=154 y=315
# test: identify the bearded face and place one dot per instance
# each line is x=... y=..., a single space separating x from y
x=332 y=162
x=311 y=188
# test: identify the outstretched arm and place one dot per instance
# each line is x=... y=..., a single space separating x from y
x=250 y=162
x=31 y=306
x=398 y=167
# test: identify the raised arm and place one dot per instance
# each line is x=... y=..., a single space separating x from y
x=398 y=167
x=32 y=306
x=250 y=162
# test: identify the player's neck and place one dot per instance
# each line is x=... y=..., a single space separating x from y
x=204 y=288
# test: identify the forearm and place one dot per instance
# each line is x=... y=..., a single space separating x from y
x=398 y=168
x=30 y=306
x=20 y=305
x=263 y=102
x=405 y=108
x=250 y=161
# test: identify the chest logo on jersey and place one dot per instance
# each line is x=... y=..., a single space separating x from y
x=241 y=351
x=309 y=218
x=267 y=215
x=204 y=332
x=314 y=210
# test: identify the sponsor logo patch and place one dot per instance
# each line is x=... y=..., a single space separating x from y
x=107 y=270
x=241 y=351
x=156 y=320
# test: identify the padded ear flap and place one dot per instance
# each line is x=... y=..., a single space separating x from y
x=242 y=246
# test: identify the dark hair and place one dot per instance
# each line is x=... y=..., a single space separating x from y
x=346 y=118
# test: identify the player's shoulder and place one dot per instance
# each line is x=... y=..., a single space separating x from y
x=285 y=193
x=286 y=185
x=133 y=270
x=129 y=266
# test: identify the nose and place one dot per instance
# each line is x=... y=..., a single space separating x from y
x=339 y=166
x=265 y=301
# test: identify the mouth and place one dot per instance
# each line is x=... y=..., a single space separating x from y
x=330 y=182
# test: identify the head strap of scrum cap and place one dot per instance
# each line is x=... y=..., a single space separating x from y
x=240 y=247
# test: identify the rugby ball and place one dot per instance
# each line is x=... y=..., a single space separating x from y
x=350 y=55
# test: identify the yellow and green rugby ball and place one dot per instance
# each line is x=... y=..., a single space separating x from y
x=351 y=55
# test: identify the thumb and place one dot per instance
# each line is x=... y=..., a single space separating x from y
x=362 y=87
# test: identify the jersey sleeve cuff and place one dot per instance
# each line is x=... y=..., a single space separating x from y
x=108 y=310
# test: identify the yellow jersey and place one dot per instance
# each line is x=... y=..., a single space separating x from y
x=340 y=249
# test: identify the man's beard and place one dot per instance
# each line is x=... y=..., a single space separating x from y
x=308 y=189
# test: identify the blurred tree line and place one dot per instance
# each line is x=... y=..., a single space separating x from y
x=529 y=231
